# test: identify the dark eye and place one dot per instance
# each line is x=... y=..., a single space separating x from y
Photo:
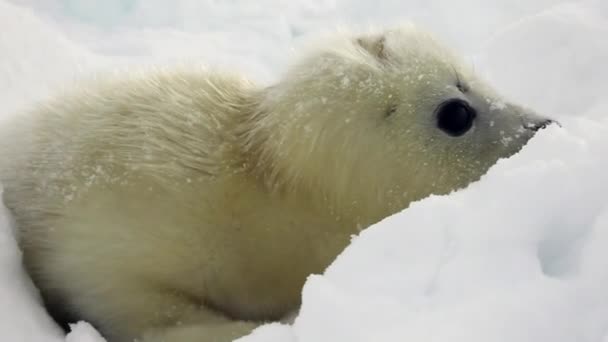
x=455 y=117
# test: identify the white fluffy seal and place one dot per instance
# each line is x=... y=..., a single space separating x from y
x=189 y=205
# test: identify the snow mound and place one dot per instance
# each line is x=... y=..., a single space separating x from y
x=518 y=256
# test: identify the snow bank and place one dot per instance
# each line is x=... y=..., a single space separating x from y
x=518 y=256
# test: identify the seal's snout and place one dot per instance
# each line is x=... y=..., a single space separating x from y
x=537 y=126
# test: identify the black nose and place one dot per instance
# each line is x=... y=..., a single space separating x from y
x=537 y=126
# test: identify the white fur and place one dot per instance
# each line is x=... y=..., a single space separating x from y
x=189 y=205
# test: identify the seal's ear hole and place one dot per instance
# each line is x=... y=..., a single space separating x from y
x=374 y=45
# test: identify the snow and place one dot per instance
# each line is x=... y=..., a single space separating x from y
x=518 y=256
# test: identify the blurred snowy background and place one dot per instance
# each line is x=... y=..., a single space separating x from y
x=519 y=256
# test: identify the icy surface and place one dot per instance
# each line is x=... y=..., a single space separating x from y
x=519 y=256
